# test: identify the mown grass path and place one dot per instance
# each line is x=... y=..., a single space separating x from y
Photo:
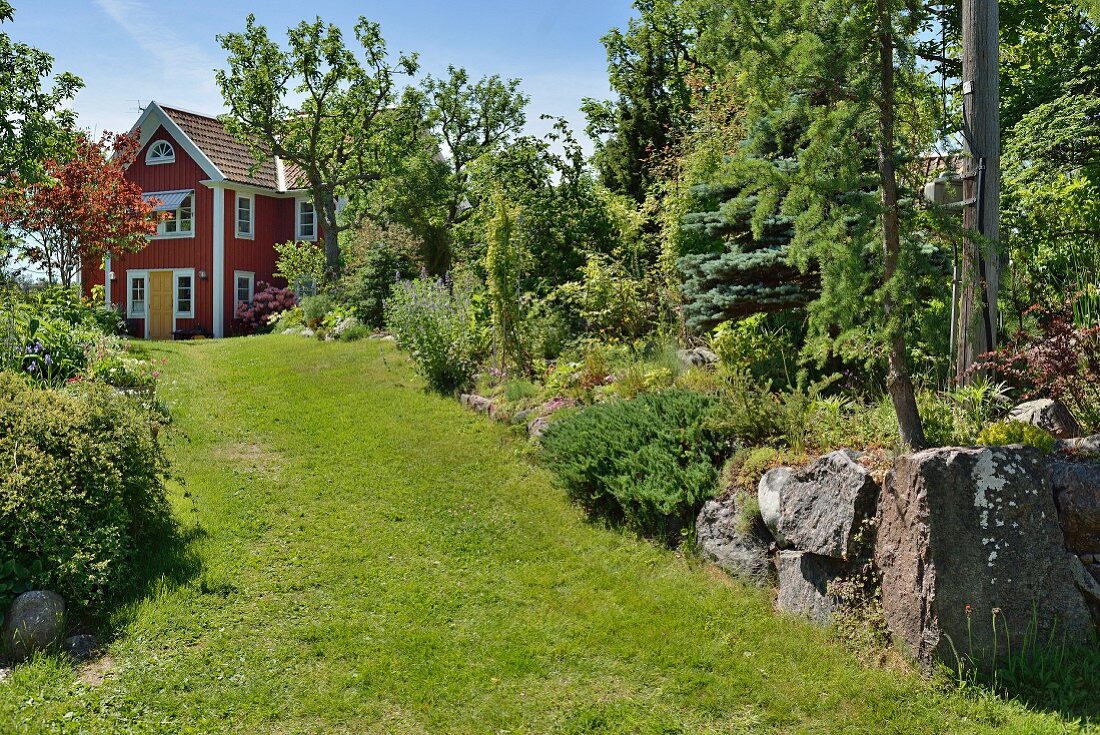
x=367 y=558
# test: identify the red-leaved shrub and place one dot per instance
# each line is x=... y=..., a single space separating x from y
x=1060 y=359
x=268 y=302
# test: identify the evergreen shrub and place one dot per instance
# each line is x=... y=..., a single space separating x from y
x=648 y=464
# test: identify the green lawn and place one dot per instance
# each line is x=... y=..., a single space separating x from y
x=363 y=557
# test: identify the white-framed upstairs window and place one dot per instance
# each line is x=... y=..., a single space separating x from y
x=160 y=152
x=246 y=216
x=305 y=220
x=244 y=287
x=179 y=220
x=185 y=294
x=136 y=284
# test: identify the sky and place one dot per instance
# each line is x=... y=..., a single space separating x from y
x=131 y=51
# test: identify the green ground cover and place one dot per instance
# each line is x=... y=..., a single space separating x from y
x=358 y=556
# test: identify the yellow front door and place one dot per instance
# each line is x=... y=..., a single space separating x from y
x=160 y=305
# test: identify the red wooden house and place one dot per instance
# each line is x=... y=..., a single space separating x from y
x=224 y=217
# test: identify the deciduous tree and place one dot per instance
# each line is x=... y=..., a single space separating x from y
x=82 y=208
x=352 y=127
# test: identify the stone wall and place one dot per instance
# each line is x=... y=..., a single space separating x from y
x=974 y=547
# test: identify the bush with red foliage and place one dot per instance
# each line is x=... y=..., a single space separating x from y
x=268 y=302
x=1059 y=359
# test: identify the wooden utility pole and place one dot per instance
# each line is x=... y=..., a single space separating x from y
x=981 y=263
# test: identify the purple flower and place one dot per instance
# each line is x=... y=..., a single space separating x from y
x=32 y=368
x=49 y=360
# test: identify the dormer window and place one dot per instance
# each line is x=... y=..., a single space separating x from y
x=160 y=152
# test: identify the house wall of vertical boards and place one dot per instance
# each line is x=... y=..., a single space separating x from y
x=223 y=213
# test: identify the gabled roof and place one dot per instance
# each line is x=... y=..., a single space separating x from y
x=222 y=156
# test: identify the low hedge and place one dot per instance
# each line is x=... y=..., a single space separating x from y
x=648 y=463
x=81 y=488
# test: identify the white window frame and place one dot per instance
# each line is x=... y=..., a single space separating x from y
x=153 y=160
x=298 y=219
x=164 y=235
x=176 y=275
x=251 y=199
x=237 y=275
x=132 y=276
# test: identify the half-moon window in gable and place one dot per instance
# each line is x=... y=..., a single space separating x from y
x=160 y=152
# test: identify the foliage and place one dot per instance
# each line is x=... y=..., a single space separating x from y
x=1052 y=202
x=315 y=309
x=15 y=579
x=503 y=262
x=351 y=127
x=1054 y=358
x=38 y=120
x=737 y=269
x=752 y=344
x=83 y=494
x=267 y=304
x=648 y=463
x=46 y=334
x=612 y=304
x=83 y=208
x=375 y=260
x=434 y=320
x=565 y=217
x=302 y=265
x=1007 y=433
x=648 y=67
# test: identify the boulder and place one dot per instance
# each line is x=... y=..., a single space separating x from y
x=1076 y=488
x=1088 y=446
x=481 y=404
x=538 y=427
x=33 y=623
x=80 y=647
x=767 y=495
x=732 y=542
x=344 y=325
x=697 y=357
x=1047 y=414
x=820 y=508
x=969 y=535
x=804 y=581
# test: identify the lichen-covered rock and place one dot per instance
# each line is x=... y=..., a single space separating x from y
x=804 y=581
x=1083 y=447
x=1047 y=414
x=1076 y=488
x=820 y=508
x=33 y=623
x=733 y=542
x=968 y=534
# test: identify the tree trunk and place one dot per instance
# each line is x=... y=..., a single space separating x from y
x=326 y=216
x=898 y=380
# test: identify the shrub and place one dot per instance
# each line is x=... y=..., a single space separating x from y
x=1058 y=359
x=434 y=320
x=302 y=264
x=82 y=491
x=45 y=334
x=266 y=305
x=648 y=463
x=378 y=261
x=315 y=309
x=1007 y=433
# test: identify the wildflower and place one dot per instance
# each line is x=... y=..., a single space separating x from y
x=969 y=610
x=48 y=360
x=32 y=368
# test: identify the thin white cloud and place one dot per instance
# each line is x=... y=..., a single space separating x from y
x=180 y=59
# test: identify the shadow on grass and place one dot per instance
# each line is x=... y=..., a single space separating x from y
x=167 y=561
